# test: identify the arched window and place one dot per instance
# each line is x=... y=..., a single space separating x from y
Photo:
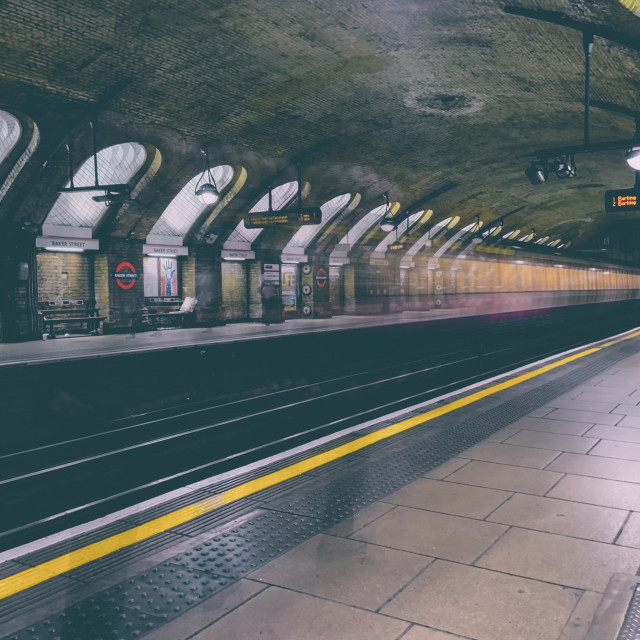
x=303 y=237
x=437 y=229
x=116 y=165
x=242 y=238
x=380 y=251
x=185 y=209
x=10 y=133
x=340 y=253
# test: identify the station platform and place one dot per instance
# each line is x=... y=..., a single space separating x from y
x=509 y=510
x=77 y=347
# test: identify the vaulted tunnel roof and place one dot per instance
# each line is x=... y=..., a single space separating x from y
x=387 y=95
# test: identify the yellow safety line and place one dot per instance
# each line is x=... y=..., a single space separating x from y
x=62 y=564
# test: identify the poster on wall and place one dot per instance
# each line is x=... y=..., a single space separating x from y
x=289 y=287
x=151 y=284
x=168 y=277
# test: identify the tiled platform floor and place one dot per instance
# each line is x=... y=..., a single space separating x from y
x=517 y=538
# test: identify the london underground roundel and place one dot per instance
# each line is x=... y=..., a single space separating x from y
x=321 y=277
x=125 y=275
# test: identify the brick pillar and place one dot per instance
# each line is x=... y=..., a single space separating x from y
x=124 y=304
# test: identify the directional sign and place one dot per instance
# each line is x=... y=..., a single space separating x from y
x=621 y=200
x=312 y=215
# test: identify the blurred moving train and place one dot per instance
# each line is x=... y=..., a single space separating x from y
x=499 y=283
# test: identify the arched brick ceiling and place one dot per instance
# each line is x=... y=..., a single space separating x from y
x=377 y=95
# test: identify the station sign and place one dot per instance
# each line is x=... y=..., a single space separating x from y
x=237 y=254
x=271 y=273
x=164 y=250
x=616 y=200
x=67 y=244
x=261 y=219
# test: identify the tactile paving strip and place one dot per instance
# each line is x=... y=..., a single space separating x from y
x=250 y=545
x=91 y=619
x=136 y=606
x=631 y=627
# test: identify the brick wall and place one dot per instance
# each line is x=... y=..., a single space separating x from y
x=188 y=285
x=208 y=286
x=255 y=290
x=63 y=276
x=234 y=296
x=349 y=283
x=102 y=284
x=125 y=305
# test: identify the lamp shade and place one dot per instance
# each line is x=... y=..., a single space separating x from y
x=633 y=157
x=207 y=193
x=387 y=224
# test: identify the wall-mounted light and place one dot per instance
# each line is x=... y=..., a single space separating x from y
x=206 y=188
x=537 y=172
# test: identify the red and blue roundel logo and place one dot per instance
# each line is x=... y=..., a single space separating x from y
x=125 y=275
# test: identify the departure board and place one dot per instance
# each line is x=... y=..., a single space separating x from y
x=621 y=200
x=311 y=215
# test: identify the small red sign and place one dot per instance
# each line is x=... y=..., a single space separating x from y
x=321 y=277
x=125 y=275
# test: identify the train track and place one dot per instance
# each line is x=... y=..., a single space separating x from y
x=56 y=485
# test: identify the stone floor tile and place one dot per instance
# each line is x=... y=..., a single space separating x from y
x=583 y=404
x=502 y=435
x=205 y=614
x=540 y=412
x=350 y=572
x=607 y=493
x=620 y=385
x=484 y=605
x=630 y=421
x=596 y=466
x=630 y=536
x=278 y=614
x=617 y=449
x=360 y=519
x=510 y=454
x=552 y=426
x=625 y=434
x=570 y=562
x=604 y=394
x=593 y=417
x=580 y=621
x=627 y=409
x=432 y=534
x=561 y=516
x=446 y=468
x=423 y=633
x=448 y=497
x=554 y=441
x=506 y=477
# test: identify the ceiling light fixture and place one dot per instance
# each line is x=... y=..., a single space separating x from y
x=537 y=172
x=565 y=167
x=633 y=157
x=208 y=190
x=387 y=223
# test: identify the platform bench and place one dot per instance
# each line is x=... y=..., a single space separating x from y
x=182 y=317
x=67 y=317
